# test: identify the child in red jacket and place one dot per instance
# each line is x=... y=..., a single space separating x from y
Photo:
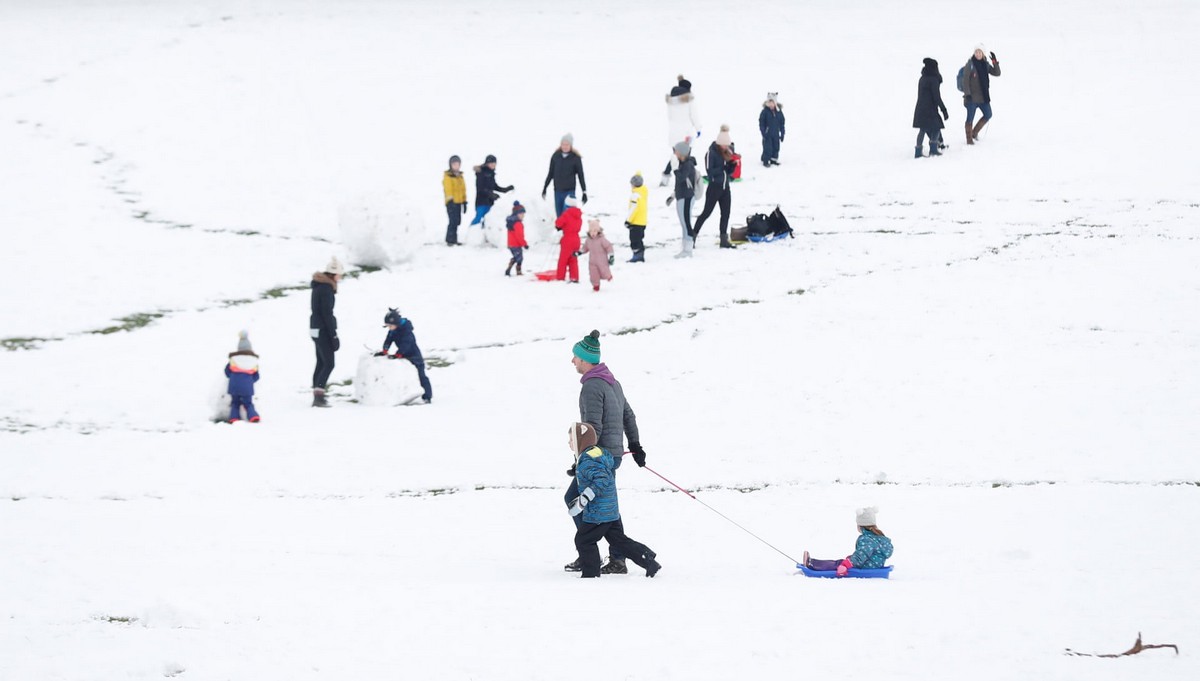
x=600 y=254
x=516 y=238
x=569 y=223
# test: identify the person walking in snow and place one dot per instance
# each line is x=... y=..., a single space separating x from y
x=687 y=178
x=322 y=326
x=603 y=406
x=242 y=371
x=486 y=189
x=929 y=101
x=719 y=163
x=569 y=223
x=600 y=254
x=400 y=332
x=596 y=508
x=977 y=91
x=454 y=188
x=639 y=208
x=566 y=164
x=683 y=120
x=871 y=550
x=771 y=125
x=517 y=245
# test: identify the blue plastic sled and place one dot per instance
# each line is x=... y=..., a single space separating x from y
x=766 y=239
x=860 y=573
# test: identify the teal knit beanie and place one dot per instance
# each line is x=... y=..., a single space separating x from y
x=588 y=349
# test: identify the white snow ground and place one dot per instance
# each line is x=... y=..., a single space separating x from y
x=999 y=347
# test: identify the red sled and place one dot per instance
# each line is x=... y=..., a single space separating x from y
x=548 y=275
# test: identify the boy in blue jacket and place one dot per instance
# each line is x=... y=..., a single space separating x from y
x=242 y=370
x=400 y=332
x=597 y=504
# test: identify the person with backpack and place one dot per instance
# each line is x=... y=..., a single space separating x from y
x=929 y=100
x=687 y=178
x=771 y=125
x=566 y=164
x=974 y=81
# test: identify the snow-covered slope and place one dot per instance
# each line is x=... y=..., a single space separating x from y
x=998 y=347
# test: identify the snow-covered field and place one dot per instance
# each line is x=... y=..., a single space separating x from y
x=999 y=348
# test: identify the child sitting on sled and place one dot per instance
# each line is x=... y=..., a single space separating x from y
x=242 y=371
x=871 y=550
x=400 y=332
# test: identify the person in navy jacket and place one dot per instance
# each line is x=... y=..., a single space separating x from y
x=400 y=333
x=242 y=370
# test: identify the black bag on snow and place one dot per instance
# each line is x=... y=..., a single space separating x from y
x=758 y=225
x=779 y=224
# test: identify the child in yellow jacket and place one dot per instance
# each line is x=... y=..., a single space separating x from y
x=454 y=187
x=636 y=222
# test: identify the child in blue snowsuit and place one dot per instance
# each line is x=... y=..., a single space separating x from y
x=400 y=332
x=597 y=504
x=870 y=551
x=242 y=371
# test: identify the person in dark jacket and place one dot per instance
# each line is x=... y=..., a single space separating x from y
x=322 y=326
x=242 y=371
x=687 y=176
x=565 y=165
x=486 y=188
x=977 y=92
x=929 y=101
x=719 y=164
x=771 y=125
x=596 y=509
x=602 y=404
x=400 y=333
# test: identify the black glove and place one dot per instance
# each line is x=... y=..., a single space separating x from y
x=639 y=454
x=611 y=259
x=993 y=55
x=670 y=199
x=571 y=471
x=543 y=194
x=381 y=353
x=945 y=115
x=627 y=225
x=584 y=199
x=781 y=138
x=464 y=209
x=526 y=247
x=337 y=344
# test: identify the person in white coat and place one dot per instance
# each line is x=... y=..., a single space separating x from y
x=683 y=122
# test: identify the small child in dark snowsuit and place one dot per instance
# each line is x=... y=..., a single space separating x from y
x=516 y=238
x=597 y=504
x=870 y=551
x=400 y=332
x=242 y=370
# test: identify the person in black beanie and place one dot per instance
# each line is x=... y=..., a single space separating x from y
x=929 y=101
x=486 y=188
x=565 y=165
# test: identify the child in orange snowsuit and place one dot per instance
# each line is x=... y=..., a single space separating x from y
x=569 y=223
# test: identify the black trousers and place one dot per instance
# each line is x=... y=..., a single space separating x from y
x=637 y=238
x=324 y=361
x=714 y=196
x=588 y=536
x=454 y=212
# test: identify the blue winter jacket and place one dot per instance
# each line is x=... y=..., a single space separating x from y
x=595 y=470
x=871 y=550
x=771 y=123
x=406 y=342
x=242 y=371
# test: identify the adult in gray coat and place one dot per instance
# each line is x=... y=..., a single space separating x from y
x=602 y=404
x=976 y=87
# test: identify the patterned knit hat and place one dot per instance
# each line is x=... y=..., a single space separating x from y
x=866 y=516
x=518 y=209
x=588 y=349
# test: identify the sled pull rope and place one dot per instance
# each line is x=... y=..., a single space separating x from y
x=735 y=523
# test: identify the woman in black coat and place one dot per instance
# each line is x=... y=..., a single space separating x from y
x=929 y=100
x=322 y=326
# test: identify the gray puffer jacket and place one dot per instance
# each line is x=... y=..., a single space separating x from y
x=602 y=403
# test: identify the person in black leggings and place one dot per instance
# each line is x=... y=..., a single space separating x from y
x=718 y=164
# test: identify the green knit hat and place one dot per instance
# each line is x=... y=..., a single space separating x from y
x=588 y=349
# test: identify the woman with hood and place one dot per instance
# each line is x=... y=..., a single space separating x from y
x=929 y=101
x=683 y=121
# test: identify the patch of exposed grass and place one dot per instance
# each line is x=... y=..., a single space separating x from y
x=30 y=343
x=746 y=301
x=437 y=362
x=796 y=292
x=117 y=619
x=131 y=322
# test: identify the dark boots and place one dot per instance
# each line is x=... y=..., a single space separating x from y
x=933 y=149
x=508 y=270
x=970 y=136
x=917 y=152
x=638 y=256
x=978 y=126
x=319 y=398
x=518 y=269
